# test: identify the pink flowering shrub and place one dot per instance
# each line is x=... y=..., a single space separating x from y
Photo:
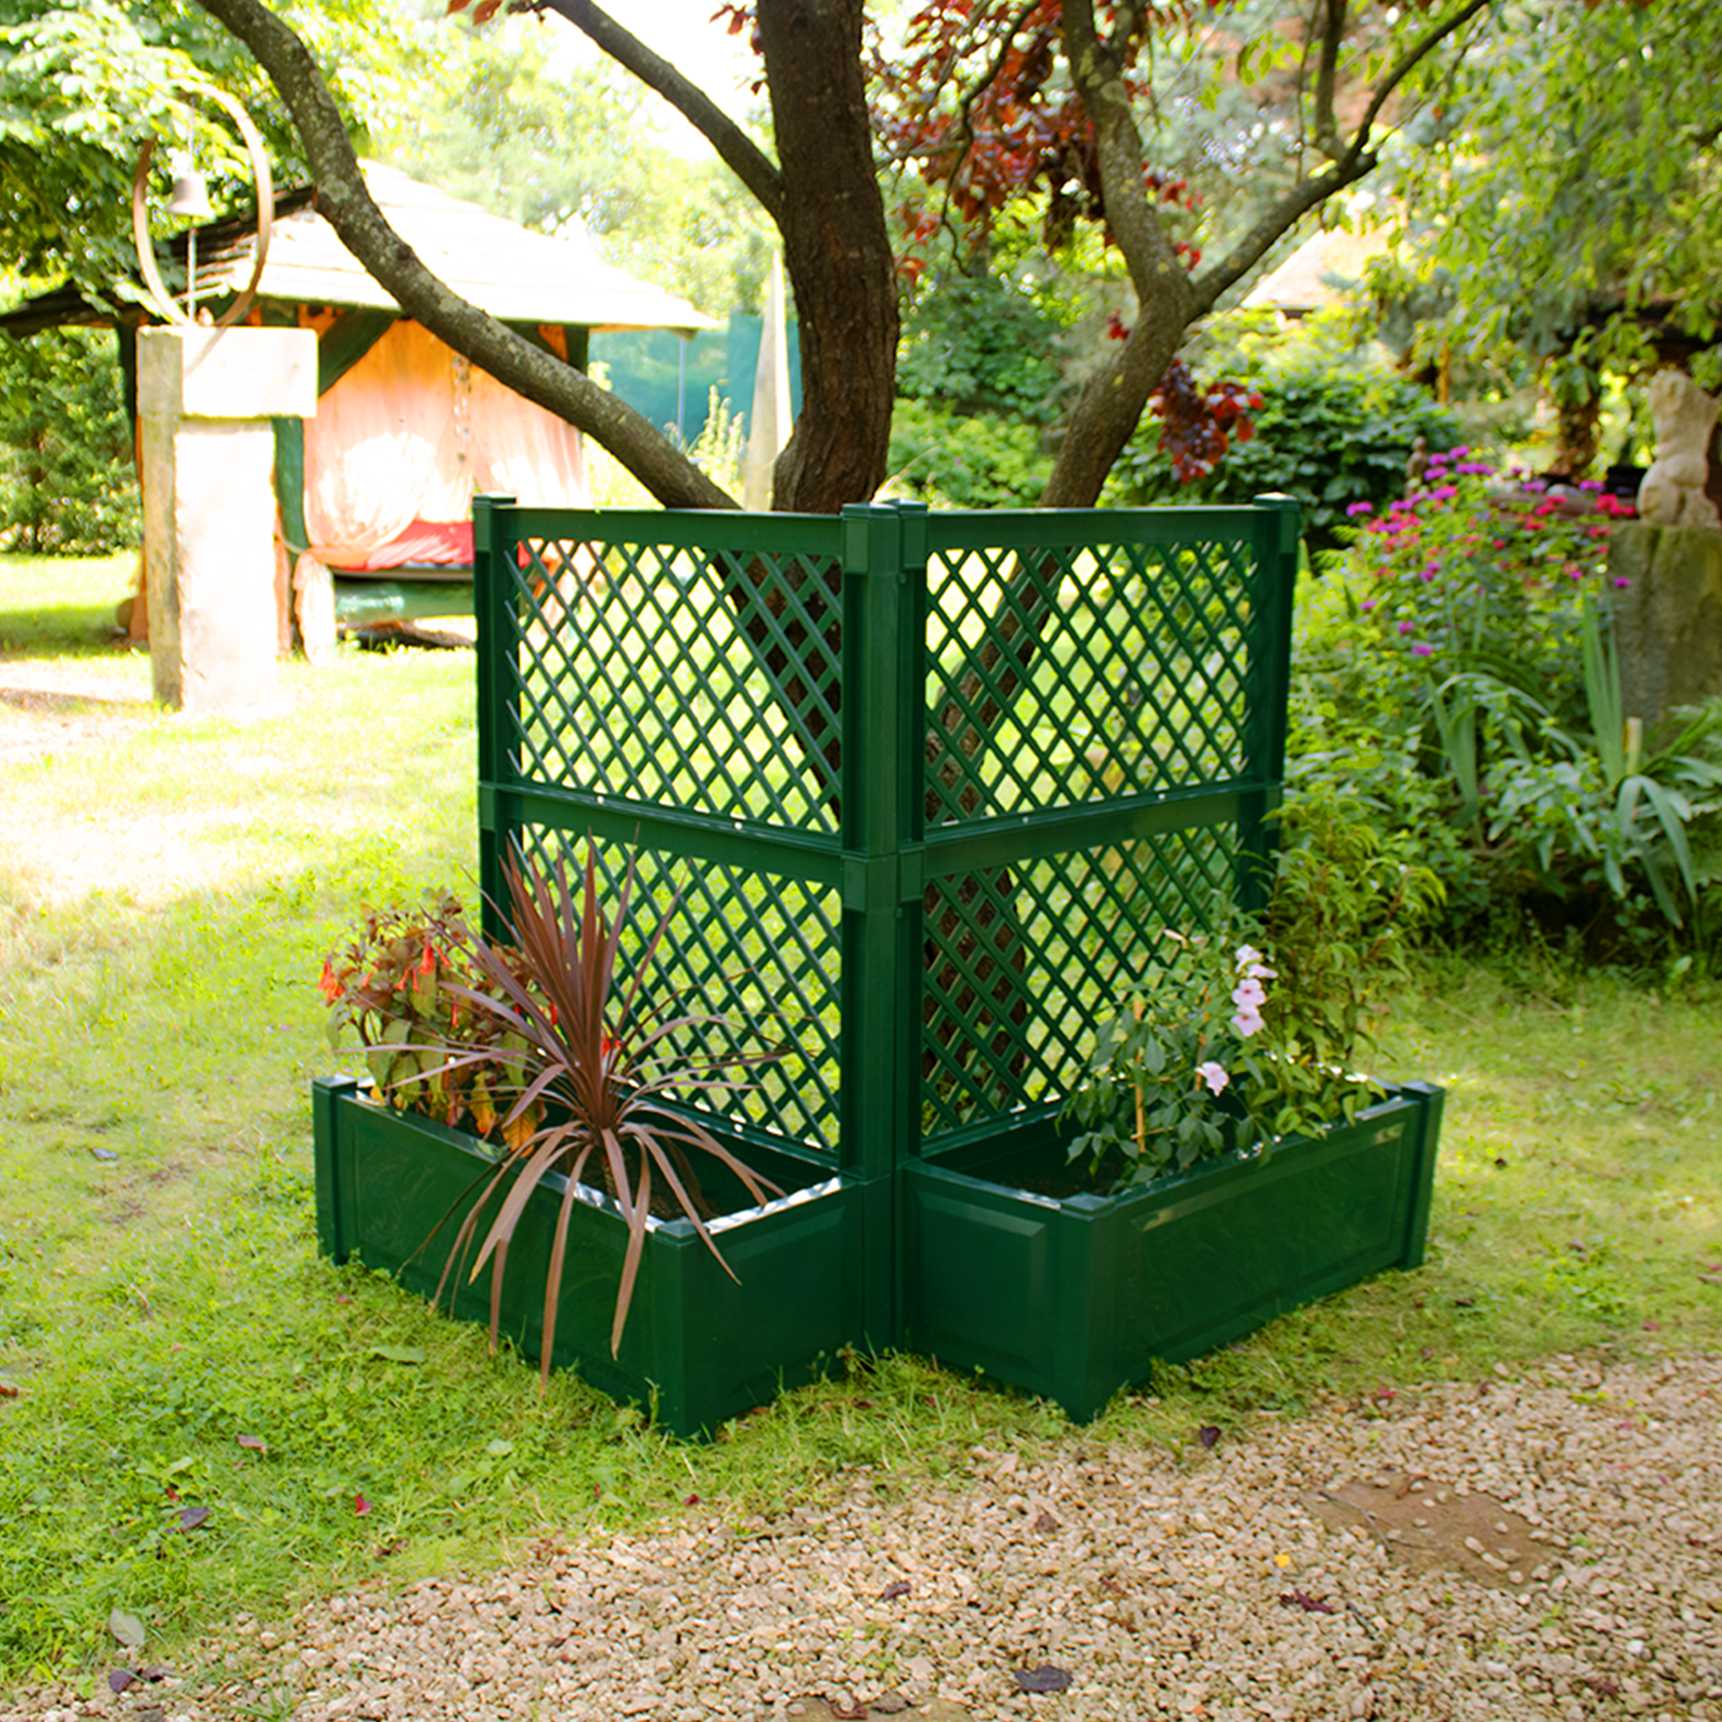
x=1225 y=1046
x=1473 y=571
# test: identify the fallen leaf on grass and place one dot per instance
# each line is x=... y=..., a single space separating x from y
x=120 y=1678
x=127 y=1628
x=103 y=1154
x=7 y=1390
x=1208 y=1434
x=360 y=1505
x=1044 y=1523
x=897 y=1588
x=1309 y=1604
x=399 y=1353
x=1046 y=1678
x=192 y=1518
x=253 y=1443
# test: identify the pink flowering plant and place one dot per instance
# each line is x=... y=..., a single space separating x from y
x=1477 y=570
x=1228 y=1043
x=1169 y=1074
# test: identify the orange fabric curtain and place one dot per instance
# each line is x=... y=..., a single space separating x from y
x=410 y=434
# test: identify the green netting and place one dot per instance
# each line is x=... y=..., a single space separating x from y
x=917 y=791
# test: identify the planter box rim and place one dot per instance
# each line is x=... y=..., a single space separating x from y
x=1090 y=1204
x=679 y=1227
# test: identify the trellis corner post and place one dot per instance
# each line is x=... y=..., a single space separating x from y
x=883 y=753
x=498 y=657
x=1279 y=533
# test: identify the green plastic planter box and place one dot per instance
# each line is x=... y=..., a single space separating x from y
x=699 y=1347
x=1075 y=1297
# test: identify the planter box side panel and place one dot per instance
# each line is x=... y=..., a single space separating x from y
x=979 y=1276
x=1077 y=1299
x=704 y=1346
x=1213 y=1265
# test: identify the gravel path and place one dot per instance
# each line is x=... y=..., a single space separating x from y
x=1546 y=1548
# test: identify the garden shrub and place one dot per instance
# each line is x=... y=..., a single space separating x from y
x=67 y=484
x=1461 y=676
x=966 y=460
x=982 y=345
x=1328 y=432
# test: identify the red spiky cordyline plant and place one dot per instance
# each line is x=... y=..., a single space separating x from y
x=602 y=1078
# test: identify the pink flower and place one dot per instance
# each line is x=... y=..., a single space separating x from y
x=1621 y=581
x=1248 y=1021
x=1214 y=1075
x=1422 y=649
x=1356 y=508
x=1407 y=627
x=1249 y=994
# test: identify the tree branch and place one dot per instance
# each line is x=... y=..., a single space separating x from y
x=1356 y=160
x=1413 y=57
x=744 y=158
x=1110 y=406
x=1155 y=271
x=1333 y=22
x=344 y=201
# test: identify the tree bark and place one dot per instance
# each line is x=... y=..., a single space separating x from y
x=837 y=251
x=344 y=201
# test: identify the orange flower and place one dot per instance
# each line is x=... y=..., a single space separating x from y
x=328 y=983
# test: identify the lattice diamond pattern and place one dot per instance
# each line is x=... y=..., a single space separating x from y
x=1133 y=678
x=683 y=678
x=1022 y=963
x=759 y=951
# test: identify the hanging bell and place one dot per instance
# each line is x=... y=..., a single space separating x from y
x=190 y=194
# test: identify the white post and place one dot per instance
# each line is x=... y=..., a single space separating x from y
x=770 y=423
x=205 y=400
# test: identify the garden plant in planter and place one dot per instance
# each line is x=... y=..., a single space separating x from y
x=579 y=1130
x=931 y=793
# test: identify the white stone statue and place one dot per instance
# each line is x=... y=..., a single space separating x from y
x=1672 y=493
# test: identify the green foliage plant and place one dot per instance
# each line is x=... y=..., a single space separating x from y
x=966 y=460
x=1329 y=432
x=67 y=487
x=1350 y=897
x=1154 y=1097
x=1225 y=1049
x=398 y=988
x=1602 y=800
x=1490 y=605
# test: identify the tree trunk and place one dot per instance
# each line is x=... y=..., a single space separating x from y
x=837 y=251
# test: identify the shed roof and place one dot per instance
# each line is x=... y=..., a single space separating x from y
x=1325 y=268
x=516 y=274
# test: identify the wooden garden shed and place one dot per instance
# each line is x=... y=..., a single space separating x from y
x=377 y=488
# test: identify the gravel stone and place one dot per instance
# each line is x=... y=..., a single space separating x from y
x=1159 y=1581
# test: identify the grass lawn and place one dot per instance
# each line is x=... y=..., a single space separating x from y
x=167 y=891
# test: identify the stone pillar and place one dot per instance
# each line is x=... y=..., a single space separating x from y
x=1668 y=618
x=205 y=401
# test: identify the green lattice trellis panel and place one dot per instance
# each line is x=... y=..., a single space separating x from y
x=683 y=676
x=1063 y=673
x=1023 y=960
x=757 y=951
x=906 y=842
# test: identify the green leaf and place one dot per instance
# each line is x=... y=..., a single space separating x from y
x=409 y=1354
